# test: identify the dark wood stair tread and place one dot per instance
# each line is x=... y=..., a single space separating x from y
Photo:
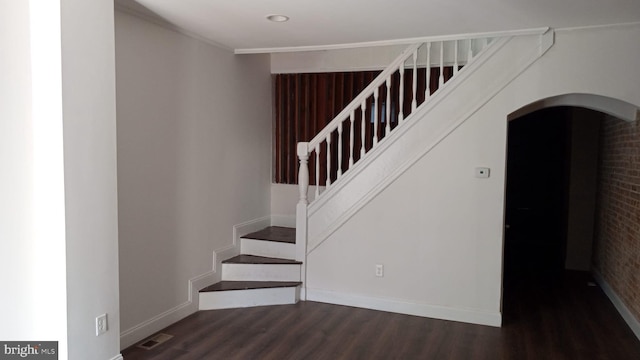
x=274 y=233
x=248 y=285
x=252 y=259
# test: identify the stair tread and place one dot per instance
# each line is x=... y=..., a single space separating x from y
x=274 y=233
x=248 y=285
x=253 y=259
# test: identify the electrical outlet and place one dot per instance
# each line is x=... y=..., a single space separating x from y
x=379 y=270
x=101 y=324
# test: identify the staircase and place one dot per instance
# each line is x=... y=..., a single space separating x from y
x=265 y=273
x=357 y=171
x=359 y=165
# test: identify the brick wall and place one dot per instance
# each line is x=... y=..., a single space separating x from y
x=617 y=238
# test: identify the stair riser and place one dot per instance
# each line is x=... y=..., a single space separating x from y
x=248 y=298
x=268 y=249
x=260 y=272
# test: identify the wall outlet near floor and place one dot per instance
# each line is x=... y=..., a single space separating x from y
x=379 y=270
x=101 y=324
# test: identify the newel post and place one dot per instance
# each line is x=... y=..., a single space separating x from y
x=301 y=215
x=303 y=172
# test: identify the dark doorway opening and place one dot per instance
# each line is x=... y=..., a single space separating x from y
x=536 y=196
x=552 y=167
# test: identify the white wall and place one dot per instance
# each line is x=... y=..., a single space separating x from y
x=88 y=92
x=16 y=141
x=32 y=239
x=433 y=229
x=194 y=158
x=284 y=198
x=58 y=214
x=437 y=229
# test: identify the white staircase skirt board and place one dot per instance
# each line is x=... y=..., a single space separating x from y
x=265 y=248
x=260 y=272
x=247 y=298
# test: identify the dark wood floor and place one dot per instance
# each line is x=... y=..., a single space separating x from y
x=274 y=233
x=560 y=319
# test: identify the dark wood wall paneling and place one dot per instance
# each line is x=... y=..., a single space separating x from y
x=305 y=103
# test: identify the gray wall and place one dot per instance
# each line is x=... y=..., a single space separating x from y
x=194 y=158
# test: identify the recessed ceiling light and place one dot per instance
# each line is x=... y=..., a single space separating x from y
x=278 y=18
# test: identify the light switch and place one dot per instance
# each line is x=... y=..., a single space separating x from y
x=482 y=172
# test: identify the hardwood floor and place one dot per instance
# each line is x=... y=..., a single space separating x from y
x=560 y=319
x=274 y=233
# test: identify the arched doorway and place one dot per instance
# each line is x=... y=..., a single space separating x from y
x=551 y=193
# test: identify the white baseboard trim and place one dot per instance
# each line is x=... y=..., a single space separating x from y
x=248 y=227
x=405 y=307
x=155 y=324
x=149 y=327
x=628 y=317
x=283 y=220
x=223 y=254
x=161 y=321
x=117 y=357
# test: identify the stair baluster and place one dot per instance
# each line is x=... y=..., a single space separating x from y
x=455 y=58
x=441 y=80
x=328 y=181
x=317 y=149
x=401 y=99
x=374 y=110
x=427 y=92
x=351 y=129
x=363 y=108
x=414 y=101
x=339 y=172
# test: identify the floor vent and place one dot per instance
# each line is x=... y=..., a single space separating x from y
x=154 y=341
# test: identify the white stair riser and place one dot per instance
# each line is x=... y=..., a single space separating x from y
x=268 y=249
x=246 y=298
x=260 y=272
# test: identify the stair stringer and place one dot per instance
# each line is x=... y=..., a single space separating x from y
x=422 y=131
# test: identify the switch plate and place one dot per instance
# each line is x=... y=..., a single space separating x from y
x=379 y=270
x=482 y=172
x=101 y=324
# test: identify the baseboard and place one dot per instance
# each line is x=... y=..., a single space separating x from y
x=283 y=220
x=149 y=327
x=161 y=321
x=117 y=357
x=248 y=227
x=155 y=324
x=628 y=317
x=405 y=307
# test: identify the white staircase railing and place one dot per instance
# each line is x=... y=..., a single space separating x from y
x=328 y=146
x=369 y=121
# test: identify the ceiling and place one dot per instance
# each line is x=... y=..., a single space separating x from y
x=242 y=25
